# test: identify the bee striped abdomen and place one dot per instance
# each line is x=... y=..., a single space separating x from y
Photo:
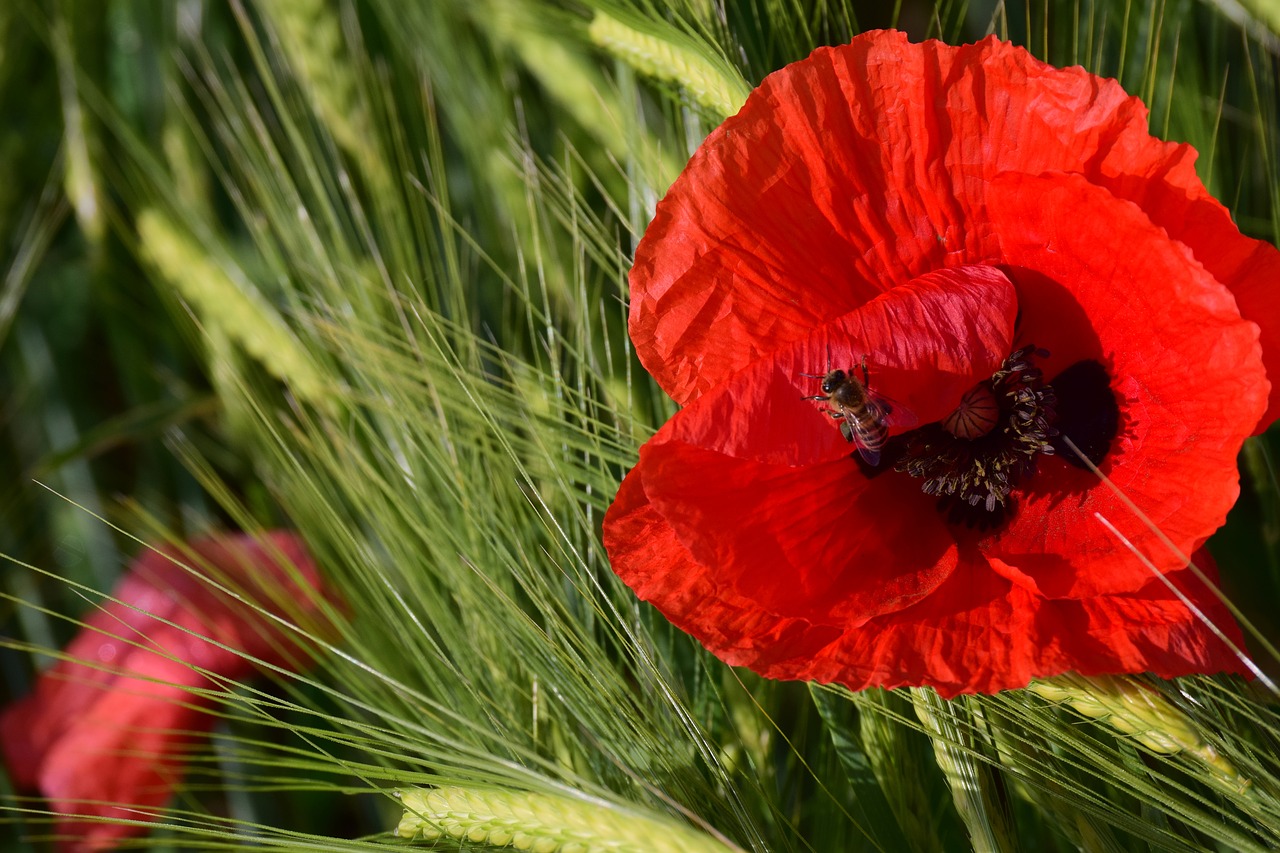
x=869 y=427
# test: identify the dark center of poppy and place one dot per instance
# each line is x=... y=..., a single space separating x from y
x=973 y=458
x=1088 y=413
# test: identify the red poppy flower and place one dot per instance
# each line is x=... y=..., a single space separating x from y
x=1015 y=260
x=105 y=731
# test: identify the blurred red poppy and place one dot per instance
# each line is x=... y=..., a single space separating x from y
x=1016 y=261
x=105 y=731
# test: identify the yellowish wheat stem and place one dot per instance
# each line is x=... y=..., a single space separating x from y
x=542 y=823
x=233 y=309
x=714 y=85
x=1140 y=712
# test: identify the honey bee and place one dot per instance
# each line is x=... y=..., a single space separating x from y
x=865 y=416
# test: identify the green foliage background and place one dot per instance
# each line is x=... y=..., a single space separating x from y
x=358 y=268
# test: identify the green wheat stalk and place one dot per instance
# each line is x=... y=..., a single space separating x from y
x=974 y=788
x=311 y=38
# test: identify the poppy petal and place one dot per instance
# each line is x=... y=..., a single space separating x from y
x=838 y=558
x=1161 y=179
x=980 y=633
x=105 y=728
x=977 y=633
x=927 y=343
x=121 y=760
x=767 y=232
x=648 y=556
x=1148 y=630
x=1185 y=366
x=755 y=449
x=843 y=178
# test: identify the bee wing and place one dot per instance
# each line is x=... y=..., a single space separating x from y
x=868 y=439
x=890 y=412
x=871 y=457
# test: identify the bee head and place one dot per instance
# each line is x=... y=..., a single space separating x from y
x=832 y=381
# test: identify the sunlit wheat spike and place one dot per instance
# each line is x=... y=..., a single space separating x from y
x=576 y=83
x=973 y=787
x=81 y=179
x=543 y=823
x=311 y=38
x=235 y=310
x=897 y=766
x=1144 y=714
x=570 y=78
x=717 y=87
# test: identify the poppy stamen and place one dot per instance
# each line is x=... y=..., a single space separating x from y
x=974 y=457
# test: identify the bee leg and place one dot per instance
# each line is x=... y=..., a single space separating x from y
x=866 y=377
